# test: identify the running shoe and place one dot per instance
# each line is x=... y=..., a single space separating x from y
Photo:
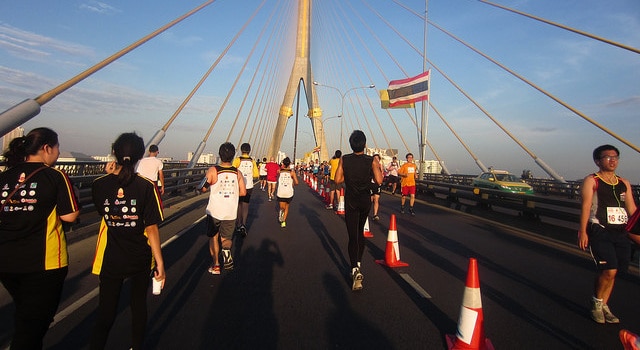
x=376 y=218
x=280 y=215
x=401 y=209
x=242 y=231
x=329 y=206
x=214 y=269
x=283 y=224
x=357 y=277
x=413 y=213
x=227 y=259
x=597 y=312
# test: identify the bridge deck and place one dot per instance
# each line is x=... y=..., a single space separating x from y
x=290 y=288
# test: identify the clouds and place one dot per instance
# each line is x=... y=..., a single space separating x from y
x=98 y=7
x=26 y=45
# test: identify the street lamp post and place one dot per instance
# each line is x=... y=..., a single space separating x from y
x=326 y=120
x=342 y=96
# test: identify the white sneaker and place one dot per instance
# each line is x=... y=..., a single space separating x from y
x=357 y=277
x=597 y=312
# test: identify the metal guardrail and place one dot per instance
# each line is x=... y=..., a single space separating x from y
x=178 y=179
x=551 y=199
x=544 y=187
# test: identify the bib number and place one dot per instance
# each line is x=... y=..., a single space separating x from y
x=616 y=216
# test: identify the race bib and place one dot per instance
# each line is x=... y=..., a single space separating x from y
x=616 y=216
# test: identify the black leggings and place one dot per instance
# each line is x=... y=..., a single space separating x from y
x=36 y=296
x=110 y=289
x=356 y=212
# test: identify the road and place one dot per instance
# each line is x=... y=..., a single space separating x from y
x=290 y=288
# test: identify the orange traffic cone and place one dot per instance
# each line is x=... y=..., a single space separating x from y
x=367 y=232
x=470 y=333
x=392 y=253
x=340 y=210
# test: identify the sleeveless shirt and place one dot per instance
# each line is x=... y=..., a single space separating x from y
x=357 y=175
x=608 y=205
x=285 y=184
x=224 y=195
x=245 y=166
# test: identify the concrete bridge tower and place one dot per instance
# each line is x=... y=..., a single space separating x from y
x=301 y=71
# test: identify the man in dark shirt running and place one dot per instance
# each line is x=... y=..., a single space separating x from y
x=357 y=170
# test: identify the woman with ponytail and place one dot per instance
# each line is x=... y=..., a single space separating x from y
x=34 y=200
x=128 y=244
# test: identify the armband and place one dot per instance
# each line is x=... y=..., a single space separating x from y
x=204 y=183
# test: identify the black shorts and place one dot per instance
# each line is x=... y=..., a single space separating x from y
x=333 y=186
x=224 y=227
x=610 y=249
x=263 y=177
x=285 y=200
x=392 y=179
x=376 y=190
x=247 y=198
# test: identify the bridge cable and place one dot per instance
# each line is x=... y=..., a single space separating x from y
x=539 y=161
x=412 y=117
x=375 y=36
x=49 y=95
x=224 y=103
x=258 y=139
x=558 y=100
x=156 y=138
x=267 y=108
x=366 y=25
x=374 y=59
x=577 y=31
x=564 y=104
x=27 y=109
x=239 y=75
x=374 y=111
x=478 y=162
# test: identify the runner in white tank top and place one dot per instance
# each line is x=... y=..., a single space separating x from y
x=286 y=180
x=223 y=198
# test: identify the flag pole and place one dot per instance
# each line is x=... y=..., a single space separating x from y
x=425 y=104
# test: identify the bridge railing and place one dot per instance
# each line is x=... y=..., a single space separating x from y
x=571 y=189
x=551 y=199
x=178 y=179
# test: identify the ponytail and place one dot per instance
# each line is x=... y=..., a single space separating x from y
x=128 y=150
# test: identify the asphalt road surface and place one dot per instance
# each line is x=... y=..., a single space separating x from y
x=290 y=288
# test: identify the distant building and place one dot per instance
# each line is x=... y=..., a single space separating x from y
x=431 y=167
x=205 y=158
x=386 y=154
x=106 y=158
x=281 y=156
x=6 y=139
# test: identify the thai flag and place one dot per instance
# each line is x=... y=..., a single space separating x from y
x=409 y=90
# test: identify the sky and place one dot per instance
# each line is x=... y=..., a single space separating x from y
x=354 y=43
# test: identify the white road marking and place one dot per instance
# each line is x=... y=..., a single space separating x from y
x=94 y=293
x=415 y=285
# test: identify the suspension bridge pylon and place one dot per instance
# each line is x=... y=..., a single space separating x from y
x=301 y=71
